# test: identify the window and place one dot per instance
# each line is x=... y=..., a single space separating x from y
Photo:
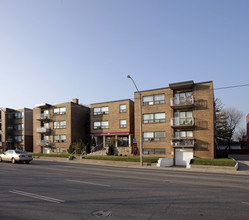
x=19 y=114
x=183 y=134
x=154 y=99
x=183 y=118
x=10 y=127
x=123 y=141
x=60 y=111
x=122 y=123
x=19 y=127
x=100 y=124
x=183 y=98
x=101 y=111
x=122 y=108
x=154 y=118
x=10 y=138
x=60 y=124
x=10 y=116
x=148 y=100
x=59 y=138
x=18 y=138
x=154 y=136
x=45 y=125
x=157 y=151
x=148 y=118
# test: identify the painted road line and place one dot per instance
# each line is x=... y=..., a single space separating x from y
x=89 y=183
x=49 y=199
x=245 y=203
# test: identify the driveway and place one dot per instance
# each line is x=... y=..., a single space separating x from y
x=243 y=165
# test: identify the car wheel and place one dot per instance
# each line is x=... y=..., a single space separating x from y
x=1 y=159
x=13 y=160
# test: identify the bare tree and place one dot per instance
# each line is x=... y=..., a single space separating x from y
x=233 y=118
x=240 y=134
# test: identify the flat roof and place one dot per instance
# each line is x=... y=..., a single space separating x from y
x=112 y=101
x=173 y=84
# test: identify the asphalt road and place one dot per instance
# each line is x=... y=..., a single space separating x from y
x=58 y=190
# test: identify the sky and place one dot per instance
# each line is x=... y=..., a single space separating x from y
x=52 y=51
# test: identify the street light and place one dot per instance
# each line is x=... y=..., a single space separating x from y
x=141 y=134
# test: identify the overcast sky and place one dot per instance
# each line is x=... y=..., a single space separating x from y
x=55 y=50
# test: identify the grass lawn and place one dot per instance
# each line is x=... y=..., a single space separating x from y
x=213 y=162
x=105 y=157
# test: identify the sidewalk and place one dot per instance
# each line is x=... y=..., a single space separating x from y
x=243 y=171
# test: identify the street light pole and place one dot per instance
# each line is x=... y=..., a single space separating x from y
x=140 y=112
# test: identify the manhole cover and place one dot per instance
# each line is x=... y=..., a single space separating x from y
x=102 y=213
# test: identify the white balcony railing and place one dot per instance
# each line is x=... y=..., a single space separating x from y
x=43 y=116
x=187 y=121
x=182 y=142
x=43 y=142
x=43 y=130
x=179 y=101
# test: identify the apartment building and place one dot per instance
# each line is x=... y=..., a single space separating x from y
x=57 y=126
x=17 y=129
x=177 y=122
x=112 y=123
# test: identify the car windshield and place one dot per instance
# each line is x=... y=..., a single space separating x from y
x=20 y=152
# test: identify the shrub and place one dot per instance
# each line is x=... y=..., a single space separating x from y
x=110 y=150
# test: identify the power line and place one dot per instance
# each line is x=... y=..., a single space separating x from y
x=229 y=87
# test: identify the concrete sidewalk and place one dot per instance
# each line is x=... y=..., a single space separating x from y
x=243 y=169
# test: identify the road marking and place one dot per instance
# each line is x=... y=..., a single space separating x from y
x=90 y=183
x=49 y=199
x=246 y=203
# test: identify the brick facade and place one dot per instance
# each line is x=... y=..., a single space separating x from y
x=199 y=125
x=57 y=126
x=113 y=122
x=17 y=129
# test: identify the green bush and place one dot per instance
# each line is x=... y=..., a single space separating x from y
x=110 y=150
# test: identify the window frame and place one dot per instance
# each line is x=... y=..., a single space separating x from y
x=153 y=118
x=122 y=110
x=60 y=111
x=122 y=125
x=153 y=137
x=153 y=99
x=101 y=126
x=101 y=111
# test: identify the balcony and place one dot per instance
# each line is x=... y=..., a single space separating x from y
x=187 y=122
x=43 y=142
x=43 y=130
x=43 y=117
x=182 y=102
x=182 y=142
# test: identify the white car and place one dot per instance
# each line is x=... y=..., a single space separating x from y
x=16 y=156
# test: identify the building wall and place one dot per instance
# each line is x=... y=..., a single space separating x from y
x=204 y=120
x=203 y=113
x=80 y=122
x=114 y=117
x=26 y=132
x=76 y=117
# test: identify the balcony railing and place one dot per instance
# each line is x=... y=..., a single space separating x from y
x=43 y=142
x=182 y=142
x=43 y=130
x=43 y=117
x=182 y=122
x=182 y=101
